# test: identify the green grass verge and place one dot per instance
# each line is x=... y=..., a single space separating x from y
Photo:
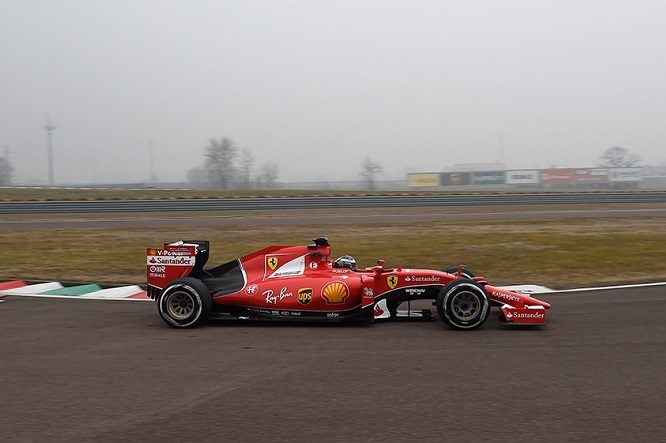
x=557 y=253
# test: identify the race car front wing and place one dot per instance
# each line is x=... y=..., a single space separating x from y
x=529 y=315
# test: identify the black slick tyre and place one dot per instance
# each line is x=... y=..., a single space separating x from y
x=185 y=303
x=463 y=304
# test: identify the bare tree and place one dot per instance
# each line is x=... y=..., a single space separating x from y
x=246 y=167
x=220 y=157
x=6 y=171
x=369 y=171
x=268 y=176
x=618 y=157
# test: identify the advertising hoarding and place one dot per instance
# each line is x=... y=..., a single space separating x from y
x=559 y=176
x=625 y=175
x=454 y=178
x=488 y=178
x=417 y=180
x=522 y=177
x=590 y=175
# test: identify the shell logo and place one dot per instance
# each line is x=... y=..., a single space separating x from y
x=335 y=293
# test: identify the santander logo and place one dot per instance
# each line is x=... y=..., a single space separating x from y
x=527 y=315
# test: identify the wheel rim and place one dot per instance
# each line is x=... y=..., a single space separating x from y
x=180 y=305
x=465 y=305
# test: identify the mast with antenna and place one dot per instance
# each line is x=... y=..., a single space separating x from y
x=49 y=128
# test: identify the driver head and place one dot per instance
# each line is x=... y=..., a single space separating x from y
x=346 y=261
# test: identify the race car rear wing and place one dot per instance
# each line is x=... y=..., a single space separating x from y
x=173 y=261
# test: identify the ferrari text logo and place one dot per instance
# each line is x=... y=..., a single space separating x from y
x=392 y=281
x=335 y=293
x=305 y=296
x=272 y=262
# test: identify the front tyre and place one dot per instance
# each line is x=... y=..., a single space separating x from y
x=463 y=304
x=185 y=303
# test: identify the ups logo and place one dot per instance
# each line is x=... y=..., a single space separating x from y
x=392 y=281
x=272 y=262
x=305 y=296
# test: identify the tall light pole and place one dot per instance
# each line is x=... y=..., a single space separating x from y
x=500 y=143
x=151 y=155
x=94 y=165
x=49 y=128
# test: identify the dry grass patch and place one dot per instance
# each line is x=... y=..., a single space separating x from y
x=558 y=253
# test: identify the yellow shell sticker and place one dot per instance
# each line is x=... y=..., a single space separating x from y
x=305 y=296
x=392 y=281
x=335 y=293
x=272 y=262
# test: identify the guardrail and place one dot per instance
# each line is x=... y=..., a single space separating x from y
x=293 y=203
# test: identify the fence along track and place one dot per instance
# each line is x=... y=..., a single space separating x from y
x=292 y=203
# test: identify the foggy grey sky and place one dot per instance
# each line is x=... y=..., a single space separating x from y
x=316 y=86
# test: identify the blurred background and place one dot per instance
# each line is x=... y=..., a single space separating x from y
x=343 y=95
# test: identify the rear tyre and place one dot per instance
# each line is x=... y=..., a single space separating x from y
x=463 y=304
x=185 y=303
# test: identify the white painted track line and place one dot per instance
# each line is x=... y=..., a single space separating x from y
x=604 y=288
x=121 y=292
x=528 y=289
x=124 y=292
x=33 y=289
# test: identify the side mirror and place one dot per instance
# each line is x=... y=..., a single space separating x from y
x=378 y=268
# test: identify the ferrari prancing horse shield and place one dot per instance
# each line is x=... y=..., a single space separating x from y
x=392 y=281
x=272 y=262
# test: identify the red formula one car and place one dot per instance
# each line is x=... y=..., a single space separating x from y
x=302 y=283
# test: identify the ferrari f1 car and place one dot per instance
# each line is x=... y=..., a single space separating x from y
x=302 y=283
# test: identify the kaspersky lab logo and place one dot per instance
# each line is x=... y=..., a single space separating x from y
x=392 y=281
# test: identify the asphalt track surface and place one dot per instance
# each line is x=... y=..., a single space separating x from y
x=287 y=218
x=86 y=371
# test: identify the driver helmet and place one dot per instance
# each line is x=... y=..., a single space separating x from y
x=346 y=261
